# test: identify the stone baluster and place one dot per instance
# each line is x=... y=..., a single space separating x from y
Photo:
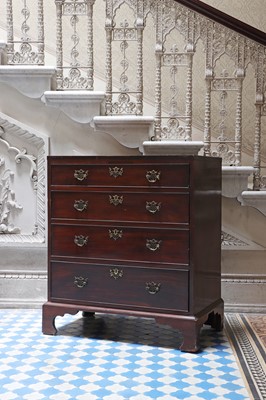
x=238 y=121
x=207 y=117
x=188 y=126
x=257 y=148
x=10 y=31
x=158 y=78
x=139 y=100
x=90 y=70
x=109 y=23
x=40 y=32
x=260 y=88
x=59 y=44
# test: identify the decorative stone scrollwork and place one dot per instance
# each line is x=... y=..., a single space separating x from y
x=8 y=201
x=79 y=75
x=129 y=99
x=26 y=54
x=75 y=8
x=12 y=159
x=21 y=155
x=123 y=105
x=173 y=131
x=228 y=240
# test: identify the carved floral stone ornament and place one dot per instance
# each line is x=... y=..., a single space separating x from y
x=8 y=202
x=21 y=155
x=22 y=178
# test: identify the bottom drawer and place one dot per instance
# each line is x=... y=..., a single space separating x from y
x=119 y=286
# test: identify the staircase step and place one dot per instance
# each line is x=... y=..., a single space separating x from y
x=31 y=81
x=256 y=199
x=79 y=105
x=130 y=131
x=172 y=147
x=235 y=180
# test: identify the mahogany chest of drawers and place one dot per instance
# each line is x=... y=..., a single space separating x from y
x=138 y=235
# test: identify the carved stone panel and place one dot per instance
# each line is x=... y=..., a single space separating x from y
x=22 y=183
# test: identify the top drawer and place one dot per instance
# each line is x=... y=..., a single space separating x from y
x=121 y=175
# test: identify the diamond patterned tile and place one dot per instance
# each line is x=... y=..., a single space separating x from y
x=111 y=358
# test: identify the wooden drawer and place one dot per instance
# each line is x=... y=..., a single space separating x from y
x=122 y=287
x=116 y=242
x=125 y=175
x=121 y=206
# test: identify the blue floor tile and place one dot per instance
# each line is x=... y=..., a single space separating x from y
x=111 y=358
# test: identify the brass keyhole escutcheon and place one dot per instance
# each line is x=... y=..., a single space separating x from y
x=115 y=200
x=116 y=273
x=115 y=171
x=115 y=234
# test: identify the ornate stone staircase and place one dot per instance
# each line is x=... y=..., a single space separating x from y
x=37 y=119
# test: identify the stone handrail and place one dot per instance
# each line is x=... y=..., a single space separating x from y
x=225 y=19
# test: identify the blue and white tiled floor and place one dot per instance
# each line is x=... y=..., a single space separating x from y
x=111 y=358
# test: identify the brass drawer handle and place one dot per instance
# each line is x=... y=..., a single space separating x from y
x=80 y=174
x=80 y=205
x=115 y=199
x=115 y=234
x=80 y=282
x=153 y=207
x=116 y=171
x=116 y=273
x=80 y=240
x=153 y=176
x=153 y=287
x=153 y=244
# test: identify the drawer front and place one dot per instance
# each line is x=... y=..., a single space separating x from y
x=121 y=206
x=121 y=287
x=120 y=243
x=151 y=175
